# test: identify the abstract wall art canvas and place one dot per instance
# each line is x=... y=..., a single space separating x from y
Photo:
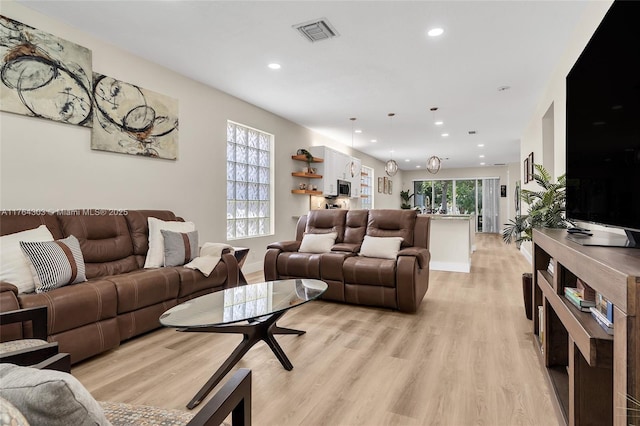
x=43 y=75
x=132 y=120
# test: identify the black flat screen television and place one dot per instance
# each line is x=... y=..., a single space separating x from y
x=603 y=129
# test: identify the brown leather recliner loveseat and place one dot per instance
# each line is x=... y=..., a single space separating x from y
x=121 y=299
x=398 y=283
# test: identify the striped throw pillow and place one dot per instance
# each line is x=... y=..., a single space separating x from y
x=179 y=247
x=55 y=263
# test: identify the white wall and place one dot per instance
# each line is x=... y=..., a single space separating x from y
x=555 y=93
x=49 y=165
x=501 y=172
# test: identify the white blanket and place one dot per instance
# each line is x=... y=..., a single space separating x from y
x=210 y=255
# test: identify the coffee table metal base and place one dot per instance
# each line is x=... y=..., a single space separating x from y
x=253 y=332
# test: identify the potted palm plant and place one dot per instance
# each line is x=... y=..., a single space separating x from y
x=546 y=208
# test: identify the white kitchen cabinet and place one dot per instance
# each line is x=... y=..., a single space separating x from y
x=336 y=166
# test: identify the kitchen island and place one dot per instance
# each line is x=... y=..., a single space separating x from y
x=451 y=242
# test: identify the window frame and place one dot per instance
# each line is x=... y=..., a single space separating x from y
x=232 y=198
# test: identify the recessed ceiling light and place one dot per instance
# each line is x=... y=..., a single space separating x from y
x=374 y=140
x=274 y=66
x=418 y=166
x=438 y=123
x=480 y=145
x=503 y=88
x=407 y=160
x=444 y=135
x=482 y=164
x=472 y=132
x=481 y=156
x=435 y=32
x=358 y=131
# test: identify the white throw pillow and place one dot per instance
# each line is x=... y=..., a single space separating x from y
x=317 y=243
x=14 y=265
x=155 y=255
x=381 y=247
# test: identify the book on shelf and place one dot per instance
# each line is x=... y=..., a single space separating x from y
x=602 y=320
x=587 y=292
x=605 y=307
x=550 y=267
x=574 y=295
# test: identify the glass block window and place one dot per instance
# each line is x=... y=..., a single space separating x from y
x=249 y=191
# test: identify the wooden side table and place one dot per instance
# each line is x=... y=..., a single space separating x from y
x=241 y=254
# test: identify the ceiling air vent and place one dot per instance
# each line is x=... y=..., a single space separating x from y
x=317 y=30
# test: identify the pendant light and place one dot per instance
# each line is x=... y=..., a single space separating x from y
x=352 y=165
x=433 y=164
x=391 y=167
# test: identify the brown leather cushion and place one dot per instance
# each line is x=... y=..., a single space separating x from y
x=356 y=226
x=370 y=271
x=104 y=240
x=138 y=221
x=331 y=266
x=74 y=305
x=13 y=221
x=145 y=287
x=393 y=223
x=325 y=221
x=294 y=264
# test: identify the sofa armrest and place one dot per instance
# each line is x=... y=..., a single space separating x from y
x=233 y=270
x=7 y=286
x=347 y=247
x=285 y=245
x=422 y=255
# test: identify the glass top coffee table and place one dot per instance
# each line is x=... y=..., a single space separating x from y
x=251 y=310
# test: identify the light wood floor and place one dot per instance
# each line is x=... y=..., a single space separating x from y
x=466 y=358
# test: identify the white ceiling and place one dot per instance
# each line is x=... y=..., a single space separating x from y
x=381 y=62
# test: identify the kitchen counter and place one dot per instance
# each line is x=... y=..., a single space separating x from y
x=451 y=241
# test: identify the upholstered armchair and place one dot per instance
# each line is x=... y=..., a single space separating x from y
x=54 y=398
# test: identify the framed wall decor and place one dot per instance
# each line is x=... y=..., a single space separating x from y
x=503 y=191
x=380 y=184
x=386 y=185
x=131 y=120
x=517 y=198
x=390 y=186
x=526 y=170
x=532 y=169
x=43 y=75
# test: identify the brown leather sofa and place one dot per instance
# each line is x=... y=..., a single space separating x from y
x=120 y=300
x=399 y=283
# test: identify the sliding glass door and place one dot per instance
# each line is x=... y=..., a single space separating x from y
x=461 y=196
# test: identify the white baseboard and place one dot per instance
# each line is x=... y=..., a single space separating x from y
x=450 y=266
x=526 y=254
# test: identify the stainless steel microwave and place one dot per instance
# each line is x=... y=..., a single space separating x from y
x=344 y=188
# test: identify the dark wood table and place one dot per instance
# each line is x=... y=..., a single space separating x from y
x=241 y=254
x=251 y=310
